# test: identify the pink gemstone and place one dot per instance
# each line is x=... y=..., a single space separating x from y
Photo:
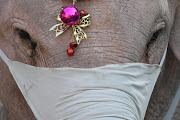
x=70 y=15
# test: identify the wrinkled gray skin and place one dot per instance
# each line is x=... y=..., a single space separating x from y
x=122 y=31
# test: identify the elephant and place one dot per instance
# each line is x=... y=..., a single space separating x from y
x=122 y=31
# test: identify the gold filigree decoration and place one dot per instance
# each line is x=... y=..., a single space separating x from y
x=85 y=21
x=78 y=32
x=59 y=28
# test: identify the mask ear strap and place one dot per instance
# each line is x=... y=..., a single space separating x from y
x=164 y=56
x=4 y=57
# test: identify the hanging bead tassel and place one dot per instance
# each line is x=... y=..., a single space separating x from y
x=70 y=16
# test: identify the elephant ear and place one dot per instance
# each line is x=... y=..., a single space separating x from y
x=175 y=35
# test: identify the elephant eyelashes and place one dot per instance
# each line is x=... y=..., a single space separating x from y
x=25 y=36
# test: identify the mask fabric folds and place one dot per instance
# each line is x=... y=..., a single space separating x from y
x=111 y=92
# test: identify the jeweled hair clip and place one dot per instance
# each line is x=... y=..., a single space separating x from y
x=71 y=16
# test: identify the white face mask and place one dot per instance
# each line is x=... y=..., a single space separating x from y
x=115 y=91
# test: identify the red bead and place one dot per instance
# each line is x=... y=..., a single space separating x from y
x=82 y=13
x=73 y=45
x=70 y=52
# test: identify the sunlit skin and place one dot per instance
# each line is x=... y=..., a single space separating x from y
x=121 y=32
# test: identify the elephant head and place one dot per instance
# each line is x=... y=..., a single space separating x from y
x=121 y=32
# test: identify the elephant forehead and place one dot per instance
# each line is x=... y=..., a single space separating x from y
x=107 y=14
x=110 y=18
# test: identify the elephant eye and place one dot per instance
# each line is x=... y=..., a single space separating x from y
x=25 y=36
x=154 y=37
